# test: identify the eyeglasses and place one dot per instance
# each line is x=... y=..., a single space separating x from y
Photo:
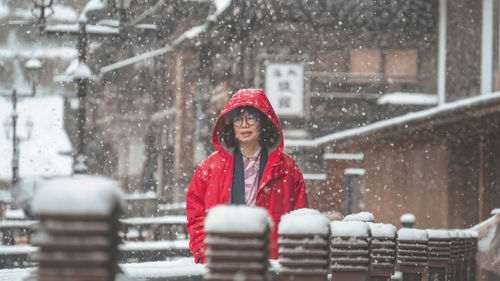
x=251 y=120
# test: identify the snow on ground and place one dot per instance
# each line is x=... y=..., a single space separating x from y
x=304 y=221
x=40 y=155
x=180 y=267
x=154 y=245
x=237 y=219
x=93 y=195
x=362 y=216
x=155 y=220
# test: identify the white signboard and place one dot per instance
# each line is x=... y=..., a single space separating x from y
x=285 y=88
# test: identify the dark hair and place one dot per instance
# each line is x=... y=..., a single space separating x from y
x=268 y=131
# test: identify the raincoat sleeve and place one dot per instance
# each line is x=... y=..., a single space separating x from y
x=195 y=212
x=299 y=189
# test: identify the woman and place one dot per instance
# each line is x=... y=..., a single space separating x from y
x=249 y=167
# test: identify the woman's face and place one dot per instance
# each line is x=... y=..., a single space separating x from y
x=247 y=128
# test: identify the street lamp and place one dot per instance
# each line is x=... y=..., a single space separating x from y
x=42 y=18
x=33 y=68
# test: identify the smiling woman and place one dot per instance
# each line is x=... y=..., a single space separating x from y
x=249 y=168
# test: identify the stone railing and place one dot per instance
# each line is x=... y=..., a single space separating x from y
x=78 y=239
x=312 y=248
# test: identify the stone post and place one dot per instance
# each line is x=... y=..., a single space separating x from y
x=238 y=243
x=412 y=253
x=304 y=240
x=78 y=230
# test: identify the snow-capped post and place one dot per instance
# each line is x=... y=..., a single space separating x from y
x=454 y=254
x=303 y=240
x=382 y=251
x=438 y=254
x=407 y=220
x=412 y=253
x=350 y=252
x=78 y=229
x=238 y=243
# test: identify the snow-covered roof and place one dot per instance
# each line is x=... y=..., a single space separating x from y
x=189 y=34
x=93 y=5
x=90 y=28
x=400 y=98
x=75 y=70
x=39 y=156
x=25 y=51
x=314 y=177
x=221 y=6
x=402 y=121
x=355 y=171
x=344 y=156
x=60 y=13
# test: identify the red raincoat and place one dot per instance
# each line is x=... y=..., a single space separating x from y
x=280 y=191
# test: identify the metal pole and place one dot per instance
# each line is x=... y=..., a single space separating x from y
x=80 y=166
x=15 y=154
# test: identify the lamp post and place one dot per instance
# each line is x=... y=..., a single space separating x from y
x=42 y=5
x=82 y=74
x=33 y=67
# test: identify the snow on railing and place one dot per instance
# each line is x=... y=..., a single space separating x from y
x=310 y=246
x=303 y=240
x=238 y=243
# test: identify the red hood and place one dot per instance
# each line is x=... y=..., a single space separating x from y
x=247 y=97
